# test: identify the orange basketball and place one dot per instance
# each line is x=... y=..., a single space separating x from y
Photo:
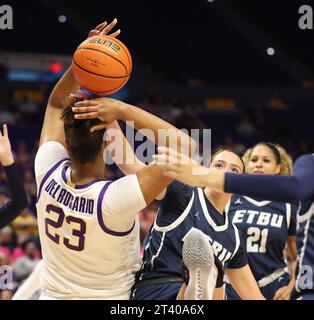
x=102 y=65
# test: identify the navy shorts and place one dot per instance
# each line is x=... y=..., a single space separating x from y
x=164 y=291
x=309 y=295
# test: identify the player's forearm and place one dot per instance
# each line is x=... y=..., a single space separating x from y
x=18 y=202
x=152 y=182
x=59 y=97
x=211 y=179
x=163 y=132
x=244 y=283
x=124 y=155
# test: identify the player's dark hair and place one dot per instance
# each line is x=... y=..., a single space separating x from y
x=220 y=149
x=83 y=145
x=26 y=242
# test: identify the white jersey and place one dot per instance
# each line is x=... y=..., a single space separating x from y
x=89 y=233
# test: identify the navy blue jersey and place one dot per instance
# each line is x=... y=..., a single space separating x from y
x=300 y=186
x=264 y=227
x=182 y=209
x=305 y=245
x=18 y=202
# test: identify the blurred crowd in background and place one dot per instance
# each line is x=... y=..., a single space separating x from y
x=266 y=117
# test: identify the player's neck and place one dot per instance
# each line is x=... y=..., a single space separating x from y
x=84 y=173
x=218 y=199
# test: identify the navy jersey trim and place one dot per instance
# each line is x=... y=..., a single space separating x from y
x=100 y=217
x=47 y=175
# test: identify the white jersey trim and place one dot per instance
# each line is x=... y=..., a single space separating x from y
x=237 y=238
x=306 y=231
x=306 y=216
x=288 y=214
x=177 y=221
x=158 y=251
x=257 y=203
x=208 y=217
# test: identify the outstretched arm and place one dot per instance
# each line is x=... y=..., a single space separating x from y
x=52 y=129
x=299 y=186
x=18 y=202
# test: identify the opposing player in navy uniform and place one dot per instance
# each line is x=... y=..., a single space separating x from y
x=182 y=211
x=267 y=227
x=18 y=202
x=298 y=187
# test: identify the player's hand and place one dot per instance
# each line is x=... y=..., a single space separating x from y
x=283 y=293
x=106 y=110
x=6 y=156
x=78 y=96
x=105 y=28
x=180 y=167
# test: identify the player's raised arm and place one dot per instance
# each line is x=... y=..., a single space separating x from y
x=163 y=133
x=52 y=129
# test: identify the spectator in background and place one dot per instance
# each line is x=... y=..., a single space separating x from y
x=26 y=222
x=22 y=155
x=27 y=106
x=245 y=129
x=7 y=243
x=29 y=184
x=24 y=266
x=18 y=251
x=5 y=294
x=5 y=116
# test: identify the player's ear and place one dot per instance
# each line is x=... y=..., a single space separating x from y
x=278 y=168
x=105 y=144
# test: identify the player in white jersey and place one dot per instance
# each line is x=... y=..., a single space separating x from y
x=89 y=229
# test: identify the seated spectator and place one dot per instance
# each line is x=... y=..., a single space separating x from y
x=18 y=251
x=7 y=241
x=5 y=294
x=27 y=222
x=24 y=266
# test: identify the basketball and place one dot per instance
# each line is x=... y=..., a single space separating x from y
x=102 y=65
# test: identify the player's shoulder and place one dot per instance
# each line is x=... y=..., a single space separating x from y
x=49 y=155
x=50 y=151
x=305 y=159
